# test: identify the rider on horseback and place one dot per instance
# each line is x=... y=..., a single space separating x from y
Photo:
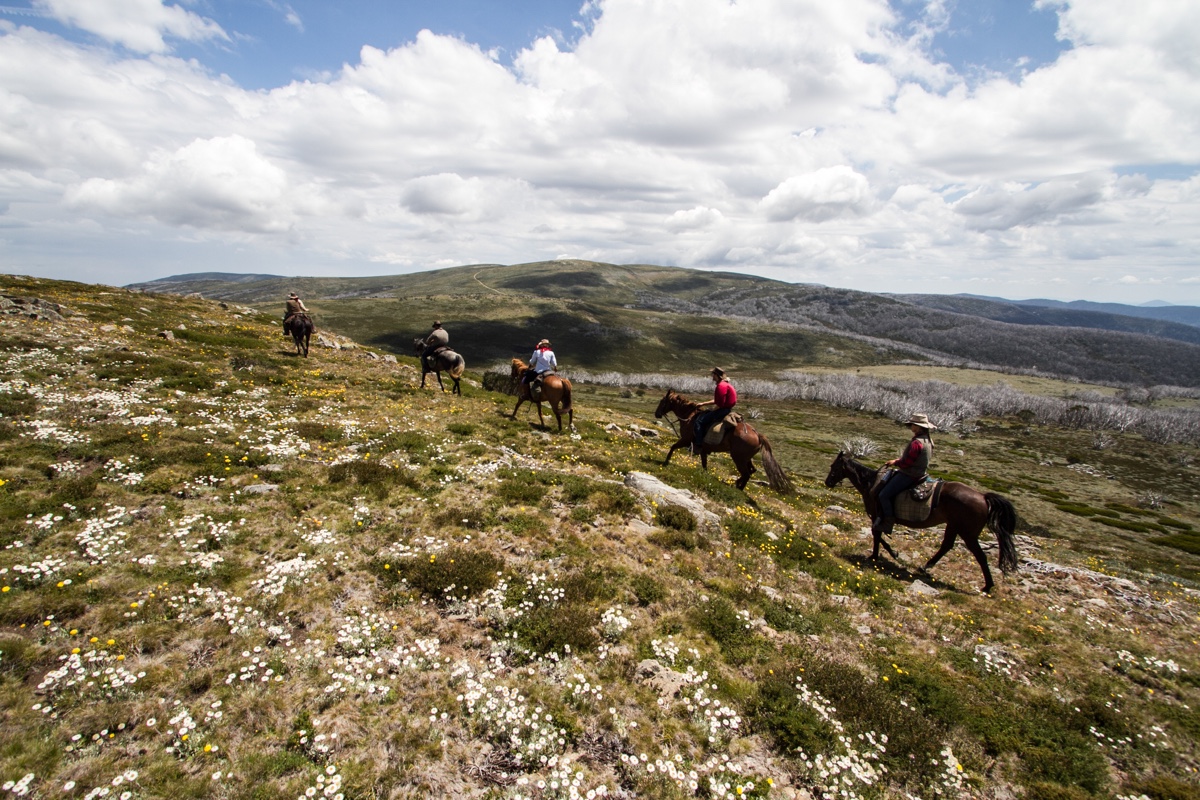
x=540 y=363
x=438 y=338
x=910 y=469
x=724 y=398
x=295 y=307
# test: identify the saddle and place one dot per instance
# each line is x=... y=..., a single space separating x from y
x=917 y=503
x=441 y=348
x=716 y=431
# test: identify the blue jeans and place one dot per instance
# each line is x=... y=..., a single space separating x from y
x=705 y=421
x=899 y=482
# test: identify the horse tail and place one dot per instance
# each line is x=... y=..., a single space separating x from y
x=1002 y=521
x=776 y=477
x=458 y=366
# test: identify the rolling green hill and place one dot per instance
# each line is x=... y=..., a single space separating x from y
x=646 y=318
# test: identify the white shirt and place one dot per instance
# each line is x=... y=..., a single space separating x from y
x=543 y=361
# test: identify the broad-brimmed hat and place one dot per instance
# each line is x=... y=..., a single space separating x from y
x=437 y=323
x=293 y=294
x=922 y=421
x=717 y=372
x=544 y=343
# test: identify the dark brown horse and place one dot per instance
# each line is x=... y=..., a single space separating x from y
x=301 y=327
x=444 y=360
x=741 y=442
x=555 y=390
x=964 y=511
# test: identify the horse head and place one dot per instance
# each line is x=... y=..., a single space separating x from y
x=666 y=404
x=518 y=366
x=838 y=470
x=419 y=345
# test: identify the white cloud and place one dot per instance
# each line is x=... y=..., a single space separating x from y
x=784 y=137
x=140 y=25
x=994 y=207
x=827 y=193
x=693 y=219
x=214 y=183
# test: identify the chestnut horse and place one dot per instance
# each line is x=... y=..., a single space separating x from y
x=444 y=360
x=964 y=511
x=555 y=390
x=741 y=442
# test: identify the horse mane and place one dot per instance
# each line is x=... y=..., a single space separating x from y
x=519 y=366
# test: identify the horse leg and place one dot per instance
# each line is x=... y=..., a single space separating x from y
x=457 y=389
x=704 y=460
x=670 y=452
x=438 y=375
x=541 y=419
x=745 y=470
x=972 y=544
x=947 y=543
x=518 y=405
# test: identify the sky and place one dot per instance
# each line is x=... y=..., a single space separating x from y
x=995 y=147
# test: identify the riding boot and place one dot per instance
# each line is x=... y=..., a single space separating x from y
x=883 y=525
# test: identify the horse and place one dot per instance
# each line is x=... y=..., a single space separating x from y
x=301 y=327
x=555 y=390
x=962 y=509
x=742 y=443
x=444 y=360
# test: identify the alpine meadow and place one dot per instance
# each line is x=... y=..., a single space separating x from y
x=231 y=571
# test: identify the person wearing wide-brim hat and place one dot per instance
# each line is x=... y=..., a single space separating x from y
x=910 y=468
x=294 y=306
x=724 y=398
x=438 y=338
x=541 y=363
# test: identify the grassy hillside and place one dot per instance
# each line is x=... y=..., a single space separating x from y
x=636 y=297
x=226 y=571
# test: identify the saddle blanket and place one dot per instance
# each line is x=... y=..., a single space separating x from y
x=716 y=433
x=917 y=503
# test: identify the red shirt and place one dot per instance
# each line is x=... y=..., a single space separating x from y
x=724 y=395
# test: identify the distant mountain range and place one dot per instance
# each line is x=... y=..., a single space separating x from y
x=1187 y=315
x=611 y=314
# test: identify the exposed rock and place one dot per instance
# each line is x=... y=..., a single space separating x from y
x=838 y=511
x=667 y=682
x=261 y=488
x=921 y=588
x=34 y=308
x=168 y=335
x=390 y=359
x=652 y=488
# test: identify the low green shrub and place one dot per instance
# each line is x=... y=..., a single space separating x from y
x=731 y=631
x=670 y=538
x=1163 y=787
x=647 y=589
x=522 y=487
x=675 y=517
x=461 y=428
x=557 y=628
x=457 y=572
x=745 y=531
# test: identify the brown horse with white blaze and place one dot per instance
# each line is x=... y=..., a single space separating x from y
x=742 y=443
x=556 y=392
x=963 y=510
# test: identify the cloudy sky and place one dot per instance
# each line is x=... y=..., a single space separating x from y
x=998 y=147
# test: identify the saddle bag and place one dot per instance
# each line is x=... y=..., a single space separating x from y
x=923 y=490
